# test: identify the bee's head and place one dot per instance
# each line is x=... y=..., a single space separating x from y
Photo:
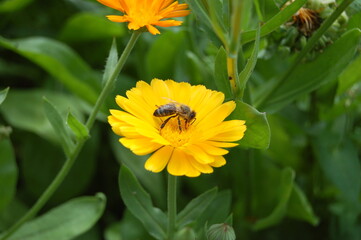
x=192 y=115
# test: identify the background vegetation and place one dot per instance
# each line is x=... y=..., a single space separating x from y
x=298 y=176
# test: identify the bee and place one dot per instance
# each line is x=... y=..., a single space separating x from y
x=178 y=110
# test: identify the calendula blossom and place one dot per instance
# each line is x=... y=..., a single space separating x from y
x=185 y=148
x=147 y=13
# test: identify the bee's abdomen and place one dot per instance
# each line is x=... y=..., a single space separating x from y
x=165 y=110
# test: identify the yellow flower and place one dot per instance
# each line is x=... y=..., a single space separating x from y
x=186 y=147
x=147 y=13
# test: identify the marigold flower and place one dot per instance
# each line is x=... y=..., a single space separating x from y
x=147 y=13
x=187 y=146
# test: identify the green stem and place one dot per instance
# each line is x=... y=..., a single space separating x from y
x=172 y=205
x=310 y=44
x=73 y=155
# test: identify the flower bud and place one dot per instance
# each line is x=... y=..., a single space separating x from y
x=186 y=233
x=221 y=231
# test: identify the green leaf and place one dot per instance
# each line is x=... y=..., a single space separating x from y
x=164 y=50
x=65 y=221
x=310 y=76
x=218 y=210
x=29 y=115
x=251 y=63
x=340 y=163
x=274 y=23
x=38 y=170
x=8 y=173
x=3 y=94
x=60 y=61
x=200 y=12
x=140 y=204
x=87 y=26
x=112 y=61
x=78 y=128
x=300 y=208
x=221 y=75
x=280 y=210
x=258 y=132
x=153 y=183
x=59 y=126
x=350 y=76
x=196 y=207
x=13 y=5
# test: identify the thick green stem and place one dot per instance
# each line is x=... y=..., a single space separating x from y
x=310 y=44
x=172 y=205
x=73 y=155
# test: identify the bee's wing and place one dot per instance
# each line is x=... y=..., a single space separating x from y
x=172 y=101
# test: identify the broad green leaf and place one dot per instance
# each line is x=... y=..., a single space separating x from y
x=60 y=61
x=300 y=208
x=12 y=213
x=220 y=73
x=215 y=8
x=350 y=76
x=41 y=160
x=24 y=109
x=3 y=94
x=128 y=228
x=140 y=204
x=59 y=126
x=13 y=5
x=153 y=183
x=251 y=63
x=340 y=163
x=111 y=62
x=283 y=16
x=87 y=26
x=8 y=173
x=78 y=128
x=65 y=221
x=217 y=211
x=280 y=209
x=161 y=58
x=258 y=132
x=196 y=207
x=310 y=76
x=199 y=11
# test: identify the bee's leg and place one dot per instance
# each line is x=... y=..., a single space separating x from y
x=167 y=120
x=194 y=119
x=179 y=124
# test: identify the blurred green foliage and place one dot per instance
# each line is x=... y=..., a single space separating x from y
x=296 y=174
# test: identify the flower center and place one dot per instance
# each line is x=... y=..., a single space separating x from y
x=177 y=137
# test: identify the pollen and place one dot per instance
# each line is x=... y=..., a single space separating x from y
x=176 y=137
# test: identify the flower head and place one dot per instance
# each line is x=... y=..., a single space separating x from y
x=147 y=13
x=157 y=119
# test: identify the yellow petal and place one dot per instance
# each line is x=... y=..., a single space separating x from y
x=178 y=13
x=159 y=159
x=116 y=18
x=178 y=164
x=208 y=148
x=219 y=161
x=199 y=154
x=168 y=23
x=153 y=30
x=216 y=116
x=112 y=4
x=229 y=131
x=140 y=146
x=203 y=168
